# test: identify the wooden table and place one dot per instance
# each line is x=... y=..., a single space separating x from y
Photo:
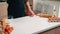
x=55 y=30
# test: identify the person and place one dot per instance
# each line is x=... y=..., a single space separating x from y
x=16 y=8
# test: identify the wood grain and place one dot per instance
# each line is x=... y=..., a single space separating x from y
x=52 y=31
x=3 y=9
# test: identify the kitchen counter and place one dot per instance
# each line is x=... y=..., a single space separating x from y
x=31 y=25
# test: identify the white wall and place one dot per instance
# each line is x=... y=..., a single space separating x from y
x=34 y=4
x=59 y=12
x=31 y=2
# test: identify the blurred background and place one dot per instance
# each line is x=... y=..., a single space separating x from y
x=47 y=6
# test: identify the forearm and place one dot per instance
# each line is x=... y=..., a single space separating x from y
x=29 y=10
x=28 y=6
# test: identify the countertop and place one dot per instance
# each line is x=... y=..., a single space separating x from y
x=31 y=25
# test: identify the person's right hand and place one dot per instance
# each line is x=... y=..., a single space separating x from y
x=30 y=13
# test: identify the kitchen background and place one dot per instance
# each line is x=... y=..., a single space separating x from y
x=47 y=7
x=42 y=6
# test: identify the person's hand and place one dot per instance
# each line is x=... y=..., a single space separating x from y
x=30 y=13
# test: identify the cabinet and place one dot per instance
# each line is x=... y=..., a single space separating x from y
x=52 y=31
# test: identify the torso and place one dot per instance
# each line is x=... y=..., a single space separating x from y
x=16 y=8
